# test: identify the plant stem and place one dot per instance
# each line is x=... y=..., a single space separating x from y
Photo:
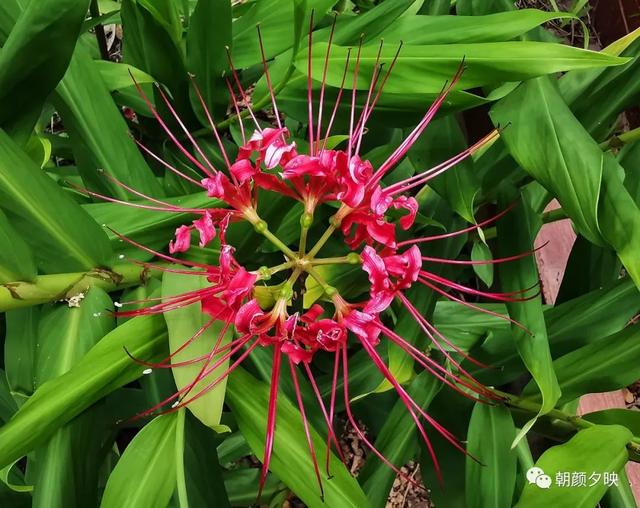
x=577 y=422
x=621 y=139
x=278 y=243
x=342 y=260
x=94 y=10
x=62 y=286
x=323 y=239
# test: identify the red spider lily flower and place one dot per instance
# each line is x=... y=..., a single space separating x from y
x=269 y=161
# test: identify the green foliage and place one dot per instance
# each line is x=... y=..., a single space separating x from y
x=73 y=378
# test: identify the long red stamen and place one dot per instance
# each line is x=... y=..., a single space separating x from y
x=271 y=417
x=359 y=130
x=361 y=435
x=167 y=165
x=245 y=97
x=417 y=132
x=168 y=131
x=212 y=124
x=236 y=107
x=382 y=85
x=305 y=423
x=483 y=261
x=309 y=85
x=338 y=99
x=354 y=93
x=331 y=433
x=475 y=307
x=212 y=170
x=324 y=80
x=268 y=78
x=156 y=253
x=459 y=231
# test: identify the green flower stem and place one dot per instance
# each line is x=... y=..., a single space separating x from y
x=323 y=239
x=329 y=290
x=261 y=227
x=306 y=220
x=350 y=259
x=63 y=286
x=621 y=139
x=576 y=422
x=278 y=243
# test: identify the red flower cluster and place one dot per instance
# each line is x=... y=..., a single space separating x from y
x=268 y=160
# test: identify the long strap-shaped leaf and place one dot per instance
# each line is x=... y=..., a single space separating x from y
x=63 y=236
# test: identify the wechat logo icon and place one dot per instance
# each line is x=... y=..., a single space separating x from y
x=536 y=476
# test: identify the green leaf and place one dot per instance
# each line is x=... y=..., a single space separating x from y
x=184 y=323
x=598 y=449
x=145 y=475
x=291 y=461
x=485 y=64
x=16 y=260
x=209 y=34
x=276 y=19
x=103 y=369
x=629 y=418
x=153 y=47
x=62 y=236
x=481 y=252
x=98 y=132
x=20 y=351
x=199 y=475
x=491 y=480
x=572 y=167
x=500 y=27
x=569 y=169
x=607 y=364
x=66 y=469
x=35 y=57
x=372 y=23
x=118 y=75
x=516 y=232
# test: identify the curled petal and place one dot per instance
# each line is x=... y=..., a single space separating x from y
x=405 y=266
x=182 y=241
x=373 y=264
x=411 y=205
x=206 y=229
x=278 y=153
x=247 y=315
